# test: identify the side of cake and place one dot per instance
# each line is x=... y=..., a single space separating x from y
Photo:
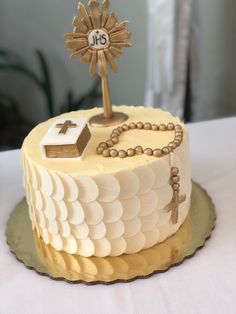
x=117 y=199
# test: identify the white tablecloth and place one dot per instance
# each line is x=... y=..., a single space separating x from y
x=203 y=284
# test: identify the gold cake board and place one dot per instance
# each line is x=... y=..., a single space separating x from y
x=93 y=270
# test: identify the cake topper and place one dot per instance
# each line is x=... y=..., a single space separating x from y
x=97 y=39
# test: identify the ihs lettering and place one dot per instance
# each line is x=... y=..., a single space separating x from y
x=99 y=39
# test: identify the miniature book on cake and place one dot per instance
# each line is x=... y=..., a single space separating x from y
x=66 y=139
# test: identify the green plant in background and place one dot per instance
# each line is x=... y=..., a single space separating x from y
x=88 y=100
x=10 y=61
x=13 y=127
x=9 y=107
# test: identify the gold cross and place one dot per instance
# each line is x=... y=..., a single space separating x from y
x=65 y=126
x=174 y=206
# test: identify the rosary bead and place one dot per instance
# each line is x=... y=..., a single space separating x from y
x=178 y=138
x=100 y=150
x=130 y=152
x=140 y=125
x=176 y=187
x=106 y=153
x=103 y=145
x=110 y=143
x=170 y=126
x=178 y=134
x=157 y=153
x=116 y=132
x=162 y=127
x=139 y=150
x=115 y=140
x=165 y=150
x=172 y=145
x=148 y=152
x=147 y=126
x=175 y=179
x=174 y=171
x=122 y=154
x=132 y=125
x=155 y=127
x=125 y=127
x=177 y=142
x=178 y=128
x=114 y=153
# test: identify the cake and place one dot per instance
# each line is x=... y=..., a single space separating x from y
x=107 y=191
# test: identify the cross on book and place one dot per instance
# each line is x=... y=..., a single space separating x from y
x=174 y=206
x=65 y=126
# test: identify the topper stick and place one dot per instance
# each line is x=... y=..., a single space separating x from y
x=107 y=106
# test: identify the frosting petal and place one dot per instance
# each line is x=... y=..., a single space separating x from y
x=50 y=210
x=46 y=181
x=132 y=207
x=85 y=248
x=70 y=245
x=164 y=196
x=118 y=246
x=132 y=227
x=59 y=192
x=102 y=247
x=61 y=210
x=98 y=231
x=93 y=213
x=64 y=228
x=135 y=244
x=162 y=172
x=129 y=184
x=146 y=179
x=109 y=188
x=70 y=187
x=112 y=211
x=115 y=230
x=149 y=221
x=88 y=189
x=81 y=231
x=151 y=237
x=56 y=242
x=75 y=213
x=148 y=203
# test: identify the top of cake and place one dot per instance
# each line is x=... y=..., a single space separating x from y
x=93 y=163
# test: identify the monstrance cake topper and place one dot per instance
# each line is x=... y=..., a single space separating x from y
x=97 y=39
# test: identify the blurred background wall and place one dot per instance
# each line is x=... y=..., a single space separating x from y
x=26 y=25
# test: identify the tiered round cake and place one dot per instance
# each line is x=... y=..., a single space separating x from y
x=107 y=191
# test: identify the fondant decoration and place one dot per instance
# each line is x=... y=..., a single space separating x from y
x=97 y=39
x=177 y=198
x=105 y=148
x=69 y=142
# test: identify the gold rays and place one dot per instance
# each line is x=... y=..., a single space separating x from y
x=98 y=38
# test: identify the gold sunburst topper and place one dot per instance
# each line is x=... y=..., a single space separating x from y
x=97 y=39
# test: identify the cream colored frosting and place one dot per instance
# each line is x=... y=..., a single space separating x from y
x=104 y=206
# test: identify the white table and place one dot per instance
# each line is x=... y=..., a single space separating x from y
x=203 y=284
